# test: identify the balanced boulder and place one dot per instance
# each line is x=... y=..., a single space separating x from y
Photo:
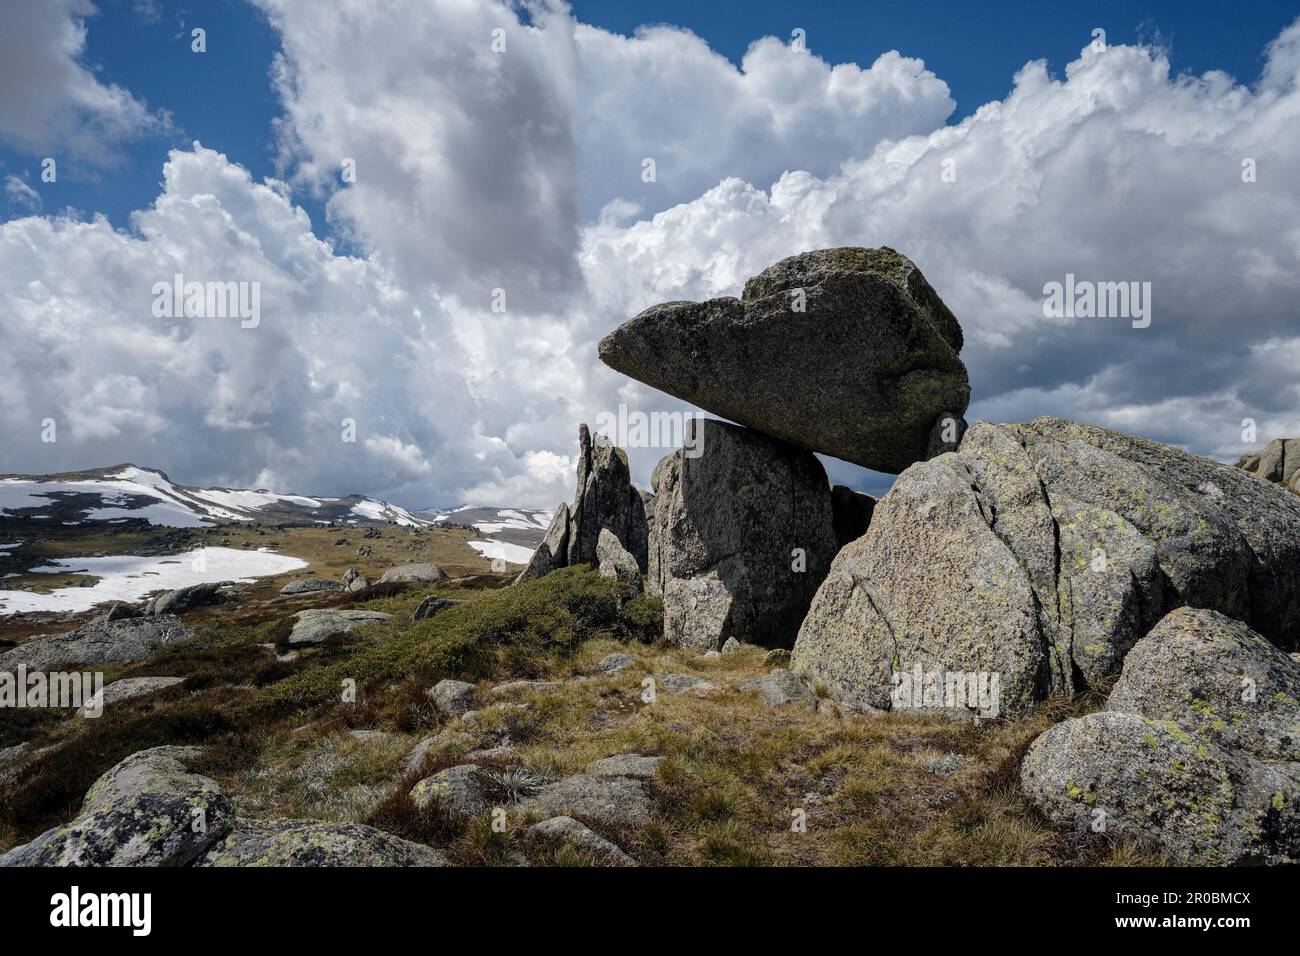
x=845 y=351
x=743 y=536
x=1039 y=554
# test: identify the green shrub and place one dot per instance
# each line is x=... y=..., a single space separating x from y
x=527 y=630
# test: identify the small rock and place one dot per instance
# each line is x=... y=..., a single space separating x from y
x=309 y=586
x=617 y=800
x=732 y=646
x=125 y=689
x=777 y=658
x=614 y=560
x=513 y=687
x=945 y=765
x=782 y=687
x=432 y=605
x=458 y=791
x=311 y=843
x=453 y=698
x=183 y=599
x=611 y=664
x=571 y=831
x=679 y=683
x=625 y=765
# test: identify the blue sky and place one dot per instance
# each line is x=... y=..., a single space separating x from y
x=522 y=172
x=224 y=97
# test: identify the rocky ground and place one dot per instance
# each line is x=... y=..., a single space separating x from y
x=531 y=702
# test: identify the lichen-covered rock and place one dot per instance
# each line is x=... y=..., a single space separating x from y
x=100 y=641
x=1127 y=775
x=1041 y=553
x=743 y=536
x=617 y=800
x=458 y=790
x=605 y=500
x=148 y=810
x=573 y=832
x=1218 y=679
x=850 y=513
x=311 y=843
x=317 y=625
x=453 y=698
x=611 y=664
x=871 y=348
x=421 y=572
x=614 y=561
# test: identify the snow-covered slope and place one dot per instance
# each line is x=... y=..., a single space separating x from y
x=128 y=492
x=519 y=526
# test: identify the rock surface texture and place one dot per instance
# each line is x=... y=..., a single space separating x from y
x=100 y=641
x=1041 y=553
x=1197 y=752
x=139 y=813
x=743 y=536
x=848 y=351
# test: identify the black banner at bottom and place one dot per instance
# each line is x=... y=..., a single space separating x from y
x=332 y=906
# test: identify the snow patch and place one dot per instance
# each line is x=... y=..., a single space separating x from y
x=131 y=577
x=510 y=553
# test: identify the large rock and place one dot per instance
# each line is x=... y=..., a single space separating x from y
x=605 y=500
x=1039 y=554
x=100 y=641
x=310 y=843
x=727 y=526
x=1215 y=678
x=1198 y=751
x=421 y=572
x=148 y=810
x=846 y=351
x=185 y=599
x=1127 y=775
x=317 y=625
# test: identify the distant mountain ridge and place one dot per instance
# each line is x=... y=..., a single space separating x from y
x=126 y=492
